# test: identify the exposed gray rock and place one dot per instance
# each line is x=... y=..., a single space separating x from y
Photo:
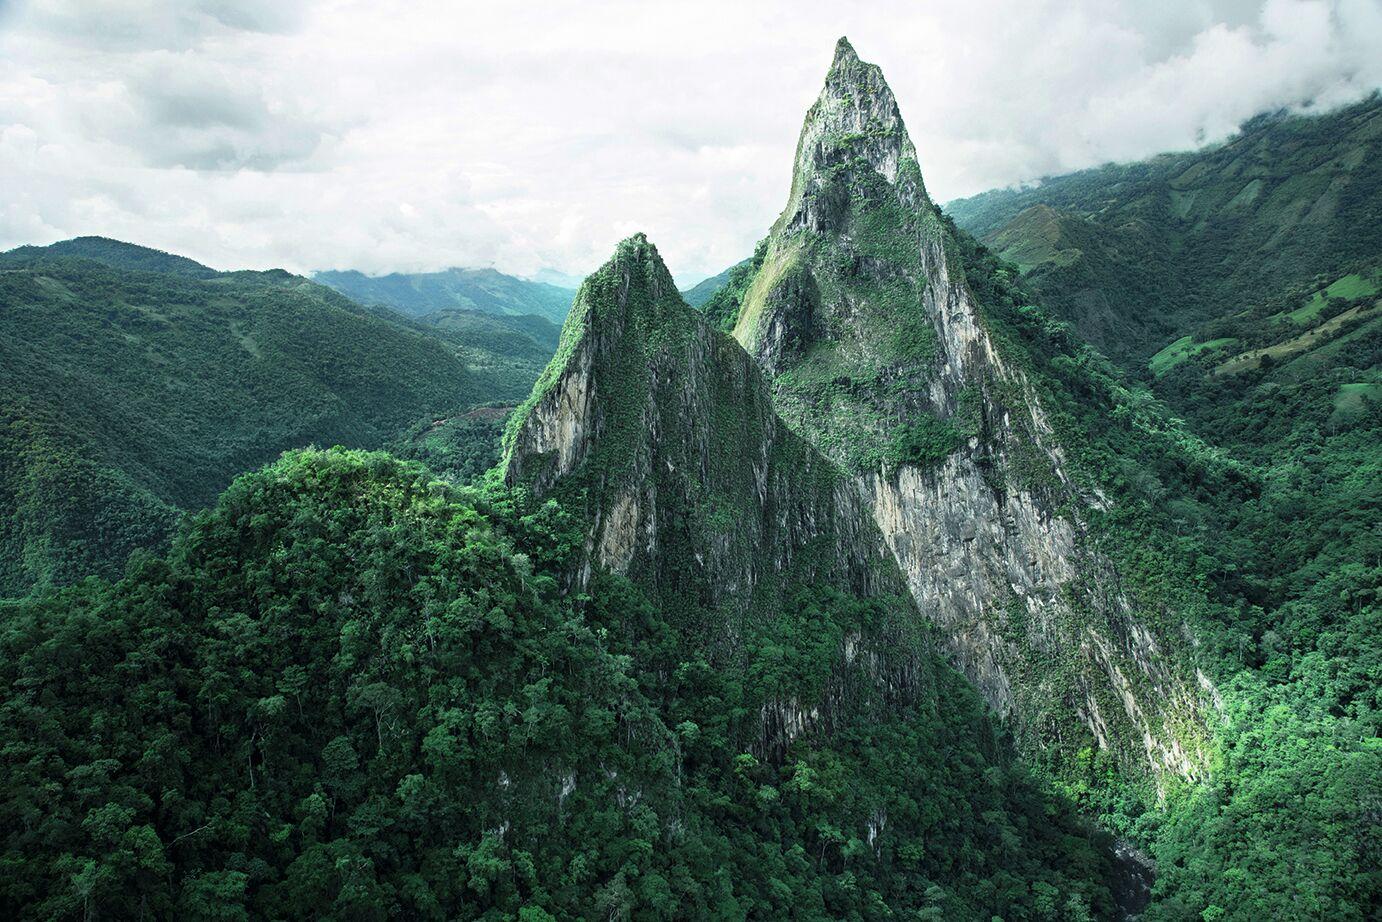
x=993 y=541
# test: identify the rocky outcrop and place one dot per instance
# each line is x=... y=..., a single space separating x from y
x=662 y=432
x=864 y=319
x=668 y=431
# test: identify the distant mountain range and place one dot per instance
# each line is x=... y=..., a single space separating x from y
x=1135 y=254
x=485 y=290
x=697 y=295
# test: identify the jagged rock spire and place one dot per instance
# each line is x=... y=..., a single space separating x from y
x=661 y=431
x=855 y=123
x=844 y=52
x=617 y=306
x=861 y=314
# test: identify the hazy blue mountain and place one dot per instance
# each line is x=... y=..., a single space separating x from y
x=485 y=290
x=704 y=290
x=557 y=278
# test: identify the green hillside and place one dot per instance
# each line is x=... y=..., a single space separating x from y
x=1238 y=546
x=483 y=290
x=1241 y=284
x=704 y=290
x=118 y=255
x=1016 y=562
x=130 y=395
x=526 y=337
x=1135 y=255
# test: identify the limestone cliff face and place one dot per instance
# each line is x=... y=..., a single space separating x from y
x=881 y=358
x=662 y=431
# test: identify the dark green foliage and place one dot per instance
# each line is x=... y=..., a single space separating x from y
x=351 y=692
x=117 y=255
x=526 y=335
x=483 y=290
x=926 y=441
x=1267 y=544
x=721 y=307
x=509 y=352
x=460 y=448
x=126 y=396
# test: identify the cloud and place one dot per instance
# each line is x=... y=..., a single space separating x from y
x=345 y=133
x=151 y=25
x=189 y=111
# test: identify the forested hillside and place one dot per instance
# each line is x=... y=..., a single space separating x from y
x=352 y=692
x=1240 y=285
x=1131 y=254
x=704 y=290
x=116 y=254
x=909 y=353
x=129 y=395
x=483 y=290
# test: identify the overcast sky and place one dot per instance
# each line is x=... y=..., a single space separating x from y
x=343 y=134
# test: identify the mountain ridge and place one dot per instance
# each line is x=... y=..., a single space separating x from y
x=417 y=294
x=161 y=385
x=117 y=254
x=1186 y=238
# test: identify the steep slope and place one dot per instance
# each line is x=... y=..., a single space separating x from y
x=484 y=290
x=668 y=431
x=128 y=396
x=1136 y=255
x=880 y=357
x=1252 y=310
x=658 y=433
x=352 y=692
x=722 y=307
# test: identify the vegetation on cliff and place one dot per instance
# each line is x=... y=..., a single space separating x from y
x=352 y=692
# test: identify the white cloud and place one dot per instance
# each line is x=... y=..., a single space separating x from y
x=345 y=133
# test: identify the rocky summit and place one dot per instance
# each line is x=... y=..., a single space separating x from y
x=880 y=355
x=661 y=431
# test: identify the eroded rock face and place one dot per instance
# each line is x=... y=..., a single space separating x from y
x=668 y=427
x=991 y=536
x=662 y=431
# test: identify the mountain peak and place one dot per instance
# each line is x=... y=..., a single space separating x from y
x=852 y=132
x=861 y=315
x=637 y=248
x=119 y=254
x=844 y=53
x=623 y=312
